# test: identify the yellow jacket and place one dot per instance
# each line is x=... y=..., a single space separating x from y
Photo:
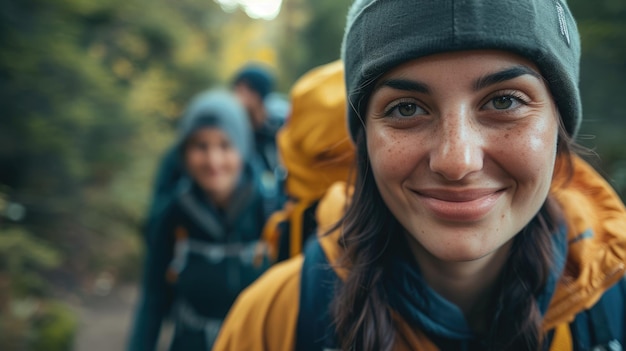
x=265 y=315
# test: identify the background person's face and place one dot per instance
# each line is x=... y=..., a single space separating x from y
x=213 y=162
x=252 y=102
x=462 y=147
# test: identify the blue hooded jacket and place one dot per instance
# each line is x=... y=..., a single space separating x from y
x=199 y=257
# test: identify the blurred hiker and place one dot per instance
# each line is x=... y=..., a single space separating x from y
x=266 y=109
x=316 y=150
x=253 y=85
x=202 y=245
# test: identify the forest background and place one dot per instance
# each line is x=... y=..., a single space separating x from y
x=90 y=94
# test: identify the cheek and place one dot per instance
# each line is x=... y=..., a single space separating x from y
x=233 y=162
x=194 y=160
x=531 y=151
x=542 y=137
x=393 y=153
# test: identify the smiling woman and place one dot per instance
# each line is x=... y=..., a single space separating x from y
x=471 y=161
x=201 y=245
x=261 y=9
x=472 y=225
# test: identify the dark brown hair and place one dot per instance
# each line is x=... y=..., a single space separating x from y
x=361 y=312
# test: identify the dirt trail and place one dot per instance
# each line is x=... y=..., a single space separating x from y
x=105 y=321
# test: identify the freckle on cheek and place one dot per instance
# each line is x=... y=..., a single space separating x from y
x=506 y=136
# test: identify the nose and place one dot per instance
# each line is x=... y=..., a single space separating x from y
x=457 y=149
x=212 y=157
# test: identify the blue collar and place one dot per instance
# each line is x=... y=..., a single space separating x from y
x=421 y=306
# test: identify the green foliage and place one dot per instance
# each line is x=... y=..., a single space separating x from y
x=323 y=35
x=24 y=259
x=90 y=92
x=313 y=35
x=602 y=25
x=37 y=325
x=28 y=319
x=54 y=329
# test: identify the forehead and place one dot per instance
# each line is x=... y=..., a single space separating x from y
x=245 y=87
x=208 y=133
x=460 y=64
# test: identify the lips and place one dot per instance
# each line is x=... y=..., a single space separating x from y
x=459 y=205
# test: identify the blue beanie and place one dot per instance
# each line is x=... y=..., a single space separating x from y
x=382 y=34
x=218 y=109
x=257 y=77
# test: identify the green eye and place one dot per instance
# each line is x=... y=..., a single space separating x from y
x=407 y=110
x=404 y=109
x=502 y=102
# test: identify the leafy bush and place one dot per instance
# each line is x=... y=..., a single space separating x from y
x=54 y=329
x=29 y=320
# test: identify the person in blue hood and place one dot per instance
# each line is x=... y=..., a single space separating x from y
x=202 y=237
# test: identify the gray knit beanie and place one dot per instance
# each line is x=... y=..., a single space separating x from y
x=381 y=34
x=218 y=109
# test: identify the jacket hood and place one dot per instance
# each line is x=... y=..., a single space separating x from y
x=314 y=146
x=596 y=234
x=314 y=143
x=218 y=109
x=596 y=222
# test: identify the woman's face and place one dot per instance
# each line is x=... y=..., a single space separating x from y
x=213 y=162
x=462 y=147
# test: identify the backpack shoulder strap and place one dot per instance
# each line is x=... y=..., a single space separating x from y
x=315 y=330
x=603 y=326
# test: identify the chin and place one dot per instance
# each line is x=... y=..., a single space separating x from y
x=462 y=254
x=461 y=249
x=212 y=184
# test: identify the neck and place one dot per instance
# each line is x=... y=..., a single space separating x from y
x=471 y=285
x=221 y=200
x=259 y=117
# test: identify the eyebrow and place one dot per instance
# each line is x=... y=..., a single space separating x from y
x=404 y=84
x=482 y=82
x=507 y=74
